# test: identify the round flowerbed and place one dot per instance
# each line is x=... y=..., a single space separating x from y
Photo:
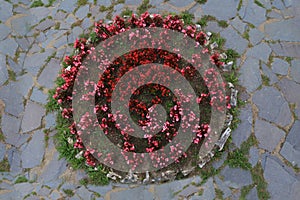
x=142 y=100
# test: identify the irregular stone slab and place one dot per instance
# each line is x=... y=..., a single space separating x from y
x=2 y=151
x=55 y=195
x=104 y=3
x=3 y=70
x=217 y=164
x=280 y=66
x=234 y=40
x=14 y=66
x=221 y=13
x=24 y=84
x=84 y=193
x=286 y=49
x=61 y=42
x=23 y=189
x=213 y=26
x=253 y=156
x=250 y=77
x=38 y=96
x=209 y=190
x=86 y=23
x=180 y=4
x=272 y=106
x=48 y=23
x=4 y=31
x=267 y=135
x=33 y=152
x=23 y=43
x=223 y=187
x=5 y=11
x=190 y=190
x=255 y=36
x=243 y=131
x=252 y=195
x=139 y=192
x=49 y=74
x=32 y=117
x=238 y=25
x=14 y=160
x=68 y=6
x=22 y=25
x=281 y=183
x=13 y=101
x=278 y=30
x=268 y=72
x=254 y=14
x=295 y=70
x=236 y=177
x=82 y=12
x=261 y=52
x=290 y=90
x=275 y=15
x=8 y=47
x=291 y=147
x=40 y=12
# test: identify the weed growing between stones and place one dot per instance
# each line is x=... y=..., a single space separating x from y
x=4 y=165
x=69 y=143
x=21 y=179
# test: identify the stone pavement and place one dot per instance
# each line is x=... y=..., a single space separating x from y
x=33 y=41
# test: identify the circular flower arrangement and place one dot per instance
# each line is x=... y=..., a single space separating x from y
x=158 y=108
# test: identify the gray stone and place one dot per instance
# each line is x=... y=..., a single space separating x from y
x=250 y=77
x=223 y=187
x=243 y=131
x=53 y=170
x=278 y=30
x=209 y=190
x=218 y=163
x=14 y=66
x=35 y=48
x=254 y=14
x=253 y=156
x=268 y=72
x=275 y=15
x=60 y=15
x=5 y=10
x=38 y=96
x=3 y=70
x=33 y=152
x=267 y=135
x=48 y=23
x=190 y=190
x=291 y=147
x=140 y=193
x=255 y=36
x=22 y=25
x=238 y=25
x=233 y=39
x=55 y=195
x=280 y=66
x=278 y=4
x=8 y=47
x=24 y=84
x=86 y=23
x=23 y=189
x=82 y=12
x=32 y=117
x=290 y=90
x=221 y=13
x=180 y=4
x=286 y=49
x=23 y=43
x=297 y=112
x=266 y=3
x=49 y=74
x=35 y=62
x=5 y=186
x=4 y=31
x=236 y=177
x=102 y=190
x=133 y=2
x=272 y=106
x=104 y=3
x=213 y=26
x=40 y=12
x=281 y=183
x=75 y=34
x=14 y=159
x=261 y=51
x=68 y=6
x=290 y=12
x=2 y=151
x=84 y=193
x=12 y=100
x=295 y=70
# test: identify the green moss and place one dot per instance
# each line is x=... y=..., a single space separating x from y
x=206 y=172
x=259 y=181
x=223 y=23
x=12 y=75
x=126 y=12
x=240 y=5
x=246 y=35
x=68 y=192
x=244 y=191
x=203 y=21
x=259 y=3
x=265 y=80
x=82 y=2
x=37 y=3
x=120 y=1
x=143 y=7
x=238 y=159
x=187 y=17
x=50 y=3
x=201 y=1
x=57 y=25
x=289 y=59
x=219 y=193
x=21 y=179
x=2 y=137
x=4 y=165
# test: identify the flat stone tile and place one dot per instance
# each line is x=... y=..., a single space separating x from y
x=220 y=12
x=268 y=72
x=250 y=77
x=24 y=84
x=236 y=177
x=48 y=23
x=223 y=187
x=253 y=156
x=82 y=12
x=4 y=31
x=2 y=151
x=68 y=5
x=3 y=70
x=13 y=101
x=40 y=12
x=238 y=25
x=295 y=70
x=286 y=49
x=49 y=74
x=32 y=117
x=38 y=96
x=234 y=40
x=5 y=11
x=22 y=25
x=261 y=51
x=14 y=159
x=280 y=66
x=255 y=36
x=180 y=4
x=254 y=14
x=35 y=62
x=8 y=47
x=290 y=90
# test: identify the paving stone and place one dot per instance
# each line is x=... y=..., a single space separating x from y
x=291 y=147
x=104 y=3
x=102 y=190
x=53 y=170
x=295 y=70
x=8 y=47
x=22 y=25
x=24 y=84
x=254 y=14
x=209 y=190
x=278 y=4
x=59 y=15
x=180 y=4
x=55 y=195
x=275 y=15
x=12 y=100
x=32 y=117
x=272 y=106
x=35 y=48
x=34 y=63
x=213 y=26
x=3 y=70
x=33 y=152
x=253 y=156
x=14 y=159
x=84 y=193
x=243 y=131
x=190 y=190
x=255 y=36
x=40 y=12
x=290 y=12
x=68 y=6
x=267 y=135
x=117 y=10
x=5 y=11
x=38 y=96
x=75 y=34
x=218 y=163
x=86 y=23
x=286 y=49
x=261 y=51
x=281 y=183
x=133 y=2
x=280 y=66
x=48 y=23
x=44 y=191
x=61 y=42
x=290 y=90
x=234 y=40
x=23 y=43
x=223 y=187
x=238 y=25
x=6 y=186
x=8 y=195
x=236 y=177
x=82 y=12
x=266 y=3
x=278 y=30
x=268 y=72
x=24 y=189
x=17 y=68
x=49 y=74
x=139 y=193
x=2 y=151
x=250 y=77
x=4 y=31
x=221 y=13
